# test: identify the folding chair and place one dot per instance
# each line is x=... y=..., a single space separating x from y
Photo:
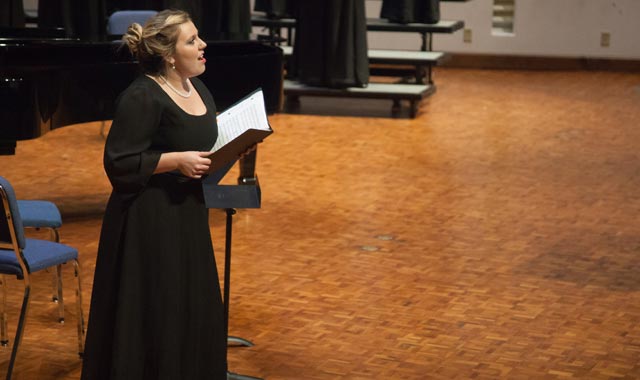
x=21 y=257
x=45 y=215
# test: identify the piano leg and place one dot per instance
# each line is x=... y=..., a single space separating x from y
x=7 y=148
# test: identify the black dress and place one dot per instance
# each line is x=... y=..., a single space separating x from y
x=330 y=48
x=408 y=11
x=276 y=8
x=156 y=307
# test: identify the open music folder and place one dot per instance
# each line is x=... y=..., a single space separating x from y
x=240 y=127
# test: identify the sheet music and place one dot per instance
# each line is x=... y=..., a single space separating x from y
x=249 y=113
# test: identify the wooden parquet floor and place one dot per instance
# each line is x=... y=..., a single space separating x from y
x=495 y=236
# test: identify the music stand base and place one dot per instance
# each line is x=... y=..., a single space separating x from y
x=237 y=376
x=236 y=341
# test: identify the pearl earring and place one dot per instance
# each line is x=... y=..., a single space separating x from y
x=173 y=66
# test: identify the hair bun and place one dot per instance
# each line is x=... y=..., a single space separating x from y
x=152 y=43
x=133 y=37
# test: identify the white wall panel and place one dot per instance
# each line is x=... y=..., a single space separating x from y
x=557 y=28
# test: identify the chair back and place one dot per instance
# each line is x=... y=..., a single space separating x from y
x=11 y=228
x=120 y=21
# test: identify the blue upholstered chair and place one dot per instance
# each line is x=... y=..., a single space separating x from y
x=45 y=215
x=41 y=214
x=20 y=256
x=120 y=21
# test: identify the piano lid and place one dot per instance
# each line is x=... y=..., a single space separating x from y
x=8 y=33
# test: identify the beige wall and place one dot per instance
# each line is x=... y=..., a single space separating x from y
x=557 y=28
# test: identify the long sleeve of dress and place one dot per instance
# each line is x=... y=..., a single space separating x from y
x=129 y=160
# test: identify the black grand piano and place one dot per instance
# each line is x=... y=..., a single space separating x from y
x=48 y=81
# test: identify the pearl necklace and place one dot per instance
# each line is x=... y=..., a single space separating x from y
x=184 y=95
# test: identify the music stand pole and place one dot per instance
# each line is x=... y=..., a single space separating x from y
x=229 y=198
x=227 y=287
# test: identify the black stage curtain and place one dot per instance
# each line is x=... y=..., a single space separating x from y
x=276 y=8
x=215 y=19
x=11 y=14
x=330 y=47
x=85 y=19
x=406 y=11
x=226 y=19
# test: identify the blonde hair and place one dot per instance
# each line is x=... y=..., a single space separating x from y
x=154 y=42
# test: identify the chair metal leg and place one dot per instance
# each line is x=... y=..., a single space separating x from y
x=60 y=296
x=54 y=286
x=3 y=314
x=21 y=323
x=56 y=235
x=57 y=282
x=76 y=270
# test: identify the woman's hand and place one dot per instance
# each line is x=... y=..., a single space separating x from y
x=194 y=164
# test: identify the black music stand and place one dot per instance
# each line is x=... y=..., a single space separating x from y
x=230 y=197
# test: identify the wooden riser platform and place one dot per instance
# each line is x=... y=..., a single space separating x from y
x=413 y=93
x=373 y=25
x=398 y=63
x=403 y=57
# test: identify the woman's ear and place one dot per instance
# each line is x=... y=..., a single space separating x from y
x=171 y=62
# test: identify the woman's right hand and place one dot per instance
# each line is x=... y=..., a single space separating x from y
x=194 y=164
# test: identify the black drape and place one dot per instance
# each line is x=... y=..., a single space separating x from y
x=276 y=8
x=215 y=19
x=330 y=47
x=11 y=13
x=85 y=19
x=406 y=11
x=226 y=19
